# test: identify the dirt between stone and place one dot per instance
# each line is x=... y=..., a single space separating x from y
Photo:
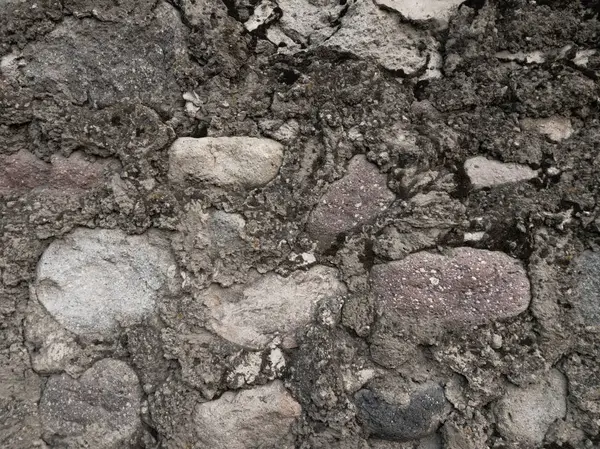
x=347 y=224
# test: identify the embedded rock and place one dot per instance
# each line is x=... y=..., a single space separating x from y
x=100 y=409
x=587 y=299
x=246 y=162
x=22 y=171
x=524 y=414
x=270 y=306
x=350 y=202
x=418 y=11
x=468 y=286
x=556 y=128
x=391 y=420
x=369 y=32
x=95 y=279
x=483 y=172
x=260 y=417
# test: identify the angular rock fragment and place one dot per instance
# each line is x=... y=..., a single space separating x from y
x=260 y=417
x=389 y=420
x=524 y=414
x=483 y=172
x=95 y=279
x=246 y=162
x=269 y=306
x=469 y=286
x=557 y=128
x=369 y=32
x=418 y=11
x=100 y=409
x=350 y=202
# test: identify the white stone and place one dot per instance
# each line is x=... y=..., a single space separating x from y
x=557 y=128
x=525 y=414
x=247 y=162
x=92 y=280
x=532 y=57
x=421 y=10
x=263 y=14
x=272 y=305
x=369 y=32
x=483 y=172
x=260 y=417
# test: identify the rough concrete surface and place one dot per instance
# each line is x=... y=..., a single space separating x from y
x=355 y=224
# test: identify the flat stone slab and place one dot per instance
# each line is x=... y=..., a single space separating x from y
x=252 y=315
x=524 y=414
x=468 y=286
x=100 y=409
x=587 y=298
x=94 y=279
x=260 y=417
x=483 y=172
x=350 y=202
x=246 y=162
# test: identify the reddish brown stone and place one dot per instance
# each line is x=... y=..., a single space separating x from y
x=469 y=286
x=23 y=171
x=354 y=200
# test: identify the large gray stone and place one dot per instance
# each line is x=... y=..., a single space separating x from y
x=260 y=417
x=556 y=128
x=246 y=162
x=524 y=414
x=270 y=306
x=483 y=172
x=369 y=32
x=468 y=286
x=350 y=202
x=99 y=410
x=92 y=280
x=586 y=301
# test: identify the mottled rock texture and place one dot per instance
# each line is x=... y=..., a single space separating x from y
x=466 y=286
x=309 y=224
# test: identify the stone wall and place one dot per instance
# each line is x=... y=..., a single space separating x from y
x=346 y=224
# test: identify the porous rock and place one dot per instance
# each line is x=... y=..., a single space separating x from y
x=271 y=305
x=524 y=414
x=92 y=280
x=350 y=202
x=392 y=420
x=466 y=286
x=100 y=409
x=483 y=172
x=260 y=417
x=246 y=162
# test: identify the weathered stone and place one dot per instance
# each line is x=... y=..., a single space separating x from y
x=524 y=414
x=483 y=172
x=304 y=23
x=557 y=128
x=100 y=409
x=260 y=417
x=114 y=60
x=22 y=171
x=439 y=10
x=418 y=417
x=350 y=202
x=467 y=286
x=95 y=279
x=369 y=32
x=587 y=298
x=272 y=305
x=246 y=162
